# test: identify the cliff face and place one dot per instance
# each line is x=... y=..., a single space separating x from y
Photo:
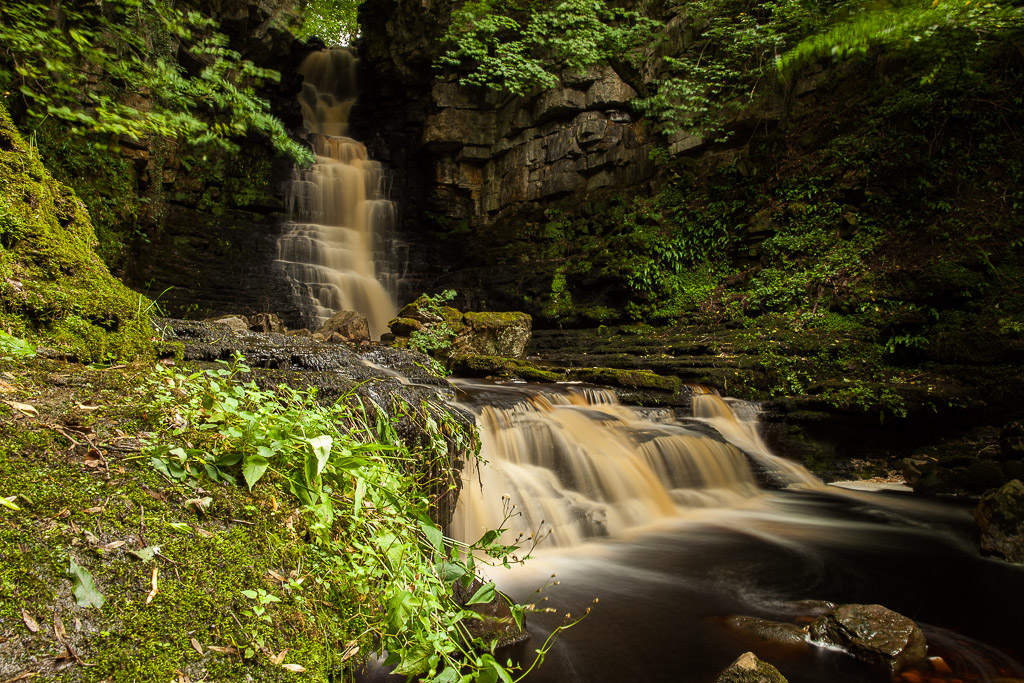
x=475 y=169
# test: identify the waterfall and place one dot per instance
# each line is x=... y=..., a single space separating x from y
x=577 y=464
x=333 y=247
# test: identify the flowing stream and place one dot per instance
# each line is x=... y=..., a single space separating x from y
x=334 y=248
x=676 y=524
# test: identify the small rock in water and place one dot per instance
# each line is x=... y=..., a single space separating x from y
x=1000 y=519
x=749 y=669
x=873 y=634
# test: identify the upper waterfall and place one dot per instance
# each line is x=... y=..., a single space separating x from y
x=340 y=215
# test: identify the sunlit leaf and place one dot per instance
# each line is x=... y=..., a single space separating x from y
x=486 y=593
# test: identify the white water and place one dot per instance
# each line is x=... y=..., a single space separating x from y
x=577 y=465
x=340 y=213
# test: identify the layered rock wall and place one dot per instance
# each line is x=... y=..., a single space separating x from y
x=473 y=167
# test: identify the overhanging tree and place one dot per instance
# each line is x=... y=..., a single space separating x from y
x=111 y=67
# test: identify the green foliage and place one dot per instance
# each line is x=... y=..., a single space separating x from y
x=111 y=69
x=333 y=21
x=509 y=47
x=13 y=347
x=379 y=558
x=436 y=337
x=935 y=28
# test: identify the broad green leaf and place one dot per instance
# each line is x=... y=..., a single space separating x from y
x=8 y=504
x=253 y=469
x=86 y=594
x=433 y=534
x=322 y=450
x=180 y=527
x=229 y=459
x=357 y=498
x=449 y=675
x=483 y=595
x=449 y=571
x=493 y=665
x=415 y=661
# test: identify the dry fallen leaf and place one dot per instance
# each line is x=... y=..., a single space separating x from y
x=196 y=646
x=275 y=575
x=58 y=628
x=29 y=621
x=294 y=668
x=113 y=545
x=5 y=388
x=351 y=650
x=225 y=650
x=93 y=511
x=23 y=407
x=82 y=406
x=279 y=657
x=152 y=593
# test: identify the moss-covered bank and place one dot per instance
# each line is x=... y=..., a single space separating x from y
x=53 y=286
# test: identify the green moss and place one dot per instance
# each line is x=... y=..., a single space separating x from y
x=53 y=286
x=72 y=506
x=507 y=368
x=632 y=379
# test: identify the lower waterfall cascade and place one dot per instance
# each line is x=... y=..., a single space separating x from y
x=676 y=523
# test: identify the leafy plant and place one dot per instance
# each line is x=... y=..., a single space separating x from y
x=111 y=69
x=14 y=347
x=506 y=46
x=364 y=497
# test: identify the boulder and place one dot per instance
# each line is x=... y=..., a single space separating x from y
x=749 y=669
x=1000 y=520
x=873 y=634
x=266 y=323
x=495 y=334
x=236 y=323
x=349 y=325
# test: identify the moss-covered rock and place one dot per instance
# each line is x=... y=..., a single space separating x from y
x=1000 y=520
x=749 y=669
x=53 y=286
x=504 y=368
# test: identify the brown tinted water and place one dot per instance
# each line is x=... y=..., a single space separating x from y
x=662 y=519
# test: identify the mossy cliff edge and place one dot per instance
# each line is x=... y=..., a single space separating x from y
x=52 y=283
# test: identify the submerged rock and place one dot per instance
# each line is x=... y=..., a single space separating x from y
x=749 y=669
x=767 y=631
x=1000 y=520
x=873 y=634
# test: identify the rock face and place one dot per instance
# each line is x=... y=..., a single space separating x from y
x=480 y=160
x=1000 y=520
x=873 y=634
x=749 y=669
